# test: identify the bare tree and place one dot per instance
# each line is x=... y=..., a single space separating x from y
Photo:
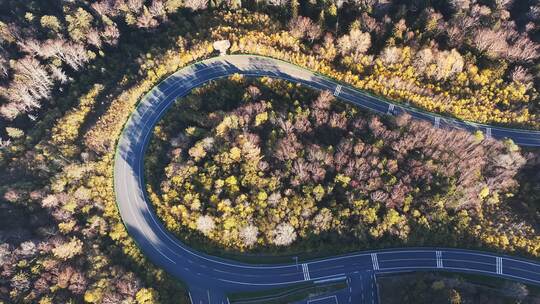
x=111 y=34
x=68 y=250
x=77 y=282
x=196 y=4
x=4 y=65
x=423 y=59
x=50 y=201
x=26 y=249
x=522 y=75
x=20 y=282
x=323 y=220
x=4 y=143
x=356 y=42
x=288 y=147
x=324 y=100
x=72 y=54
x=460 y=5
x=281 y=3
x=314 y=32
x=454 y=30
x=31 y=84
x=302 y=27
x=157 y=9
x=503 y=4
x=31 y=47
x=94 y=39
x=75 y=56
x=493 y=43
x=103 y=8
x=205 y=224
x=135 y=6
x=523 y=49
x=391 y=55
x=111 y=297
x=64 y=275
x=146 y=20
x=248 y=234
x=284 y=234
x=449 y=63
x=5 y=253
x=274 y=198
x=128 y=285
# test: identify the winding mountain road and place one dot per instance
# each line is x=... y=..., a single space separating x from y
x=209 y=278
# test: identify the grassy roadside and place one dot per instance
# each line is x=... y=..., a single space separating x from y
x=287 y=294
x=447 y=287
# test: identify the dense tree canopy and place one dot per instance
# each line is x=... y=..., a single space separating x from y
x=255 y=164
x=71 y=72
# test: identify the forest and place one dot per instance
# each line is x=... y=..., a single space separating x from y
x=270 y=166
x=72 y=71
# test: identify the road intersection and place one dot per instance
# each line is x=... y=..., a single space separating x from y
x=209 y=278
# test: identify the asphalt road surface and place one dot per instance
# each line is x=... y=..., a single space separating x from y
x=209 y=278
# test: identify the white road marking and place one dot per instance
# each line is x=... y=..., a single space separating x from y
x=488 y=132
x=375 y=261
x=325 y=298
x=337 y=90
x=391 y=107
x=334 y=279
x=438 y=255
x=498 y=265
x=437 y=122
x=305 y=270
